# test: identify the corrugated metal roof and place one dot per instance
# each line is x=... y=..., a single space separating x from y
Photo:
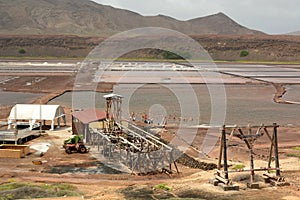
x=90 y=115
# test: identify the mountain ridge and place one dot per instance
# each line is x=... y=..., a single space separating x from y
x=88 y=18
x=297 y=33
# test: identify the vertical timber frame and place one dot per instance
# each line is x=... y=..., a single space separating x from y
x=249 y=138
x=113 y=110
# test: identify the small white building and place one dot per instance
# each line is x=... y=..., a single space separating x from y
x=35 y=112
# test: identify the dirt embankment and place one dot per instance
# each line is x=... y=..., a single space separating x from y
x=280 y=92
x=220 y=47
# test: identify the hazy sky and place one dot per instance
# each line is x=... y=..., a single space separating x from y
x=269 y=16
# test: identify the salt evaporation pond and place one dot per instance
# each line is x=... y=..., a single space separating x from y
x=11 y=98
x=293 y=93
x=246 y=104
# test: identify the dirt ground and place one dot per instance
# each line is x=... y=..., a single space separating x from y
x=189 y=183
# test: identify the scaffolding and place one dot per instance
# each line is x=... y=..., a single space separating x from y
x=139 y=150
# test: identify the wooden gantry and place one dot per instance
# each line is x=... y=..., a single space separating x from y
x=249 y=135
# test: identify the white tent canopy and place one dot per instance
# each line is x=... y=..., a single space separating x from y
x=33 y=112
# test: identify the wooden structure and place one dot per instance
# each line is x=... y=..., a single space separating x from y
x=249 y=138
x=81 y=121
x=13 y=151
x=113 y=109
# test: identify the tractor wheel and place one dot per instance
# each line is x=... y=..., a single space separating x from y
x=20 y=141
x=68 y=151
x=82 y=149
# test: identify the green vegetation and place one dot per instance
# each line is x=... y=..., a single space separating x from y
x=296 y=148
x=239 y=166
x=293 y=155
x=22 y=51
x=163 y=186
x=244 y=53
x=62 y=58
x=12 y=185
x=18 y=190
x=179 y=55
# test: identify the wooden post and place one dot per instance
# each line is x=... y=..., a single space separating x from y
x=276 y=149
x=224 y=152
x=250 y=144
x=98 y=142
x=176 y=167
x=220 y=151
x=271 y=153
x=251 y=164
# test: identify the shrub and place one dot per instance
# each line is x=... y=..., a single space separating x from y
x=22 y=51
x=25 y=190
x=176 y=55
x=244 y=53
x=296 y=148
x=293 y=155
x=237 y=167
x=163 y=186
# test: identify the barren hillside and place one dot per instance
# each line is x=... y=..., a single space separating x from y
x=84 y=17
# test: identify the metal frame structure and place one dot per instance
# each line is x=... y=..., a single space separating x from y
x=222 y=176
x=139 y=150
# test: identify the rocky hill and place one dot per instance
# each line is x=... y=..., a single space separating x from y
x=84 y=17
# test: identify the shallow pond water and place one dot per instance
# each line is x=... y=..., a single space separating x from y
x=244 y=104
x=11 y=98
